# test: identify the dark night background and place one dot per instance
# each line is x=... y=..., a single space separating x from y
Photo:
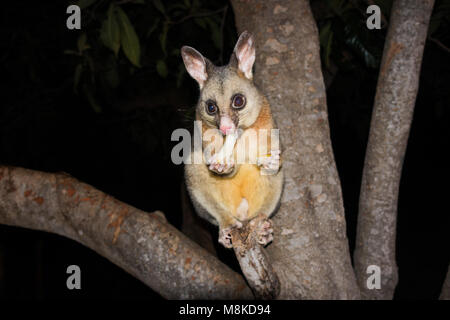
x=68 y=103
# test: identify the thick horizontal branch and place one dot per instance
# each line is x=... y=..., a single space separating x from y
x=397 y=87
x=143 y=244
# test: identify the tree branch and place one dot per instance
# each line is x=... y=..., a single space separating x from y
x=440 y=44
x=391 y=120
x=143 y=244
x=445 y=291
x=254 y=262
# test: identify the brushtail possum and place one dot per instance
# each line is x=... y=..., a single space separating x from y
x=225 y=191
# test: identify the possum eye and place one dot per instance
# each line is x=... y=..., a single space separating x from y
x=211 y=107
x=238 y=101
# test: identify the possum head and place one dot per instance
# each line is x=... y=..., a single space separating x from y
x=228 y=98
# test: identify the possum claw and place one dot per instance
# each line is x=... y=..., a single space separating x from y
x=265 y=232
x=221 y=167
x=271 y=164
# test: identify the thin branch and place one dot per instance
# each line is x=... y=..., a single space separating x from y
x=391 y=120
x=445 y=291
x=143 y=244
x=199 y=15
x=254 y=262
x=440 y=44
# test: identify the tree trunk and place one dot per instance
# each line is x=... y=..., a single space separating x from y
x=397 y=87
x=310 y=251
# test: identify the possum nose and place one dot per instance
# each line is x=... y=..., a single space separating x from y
x=226 y=129
x=226 y=125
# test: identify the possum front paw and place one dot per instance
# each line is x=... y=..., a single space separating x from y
x=270 y=164
x=218 y=165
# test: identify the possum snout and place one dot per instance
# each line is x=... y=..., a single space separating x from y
x=226 y=125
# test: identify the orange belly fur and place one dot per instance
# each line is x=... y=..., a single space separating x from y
x=247 y=183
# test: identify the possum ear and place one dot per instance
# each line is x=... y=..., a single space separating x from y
x=244 y=53
x=195 y=64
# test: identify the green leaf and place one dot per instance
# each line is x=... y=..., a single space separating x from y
x=90 y=97
x=326 y=39
x=200 y=22
x=161 y=68
x=336 y=6
x=77 y=77
x=110 y=73
x=111 y=77
x=153 y=27
x=82 y=43
x=439 y=17
x=324 y=33
x=180 y=74
x=110 y=31
x=158 y=5
x=163 y=37
x=90 y=63
x=128 y=38
x=85 y=3
x=358 y=46
x=435 y=23
x=328 y=49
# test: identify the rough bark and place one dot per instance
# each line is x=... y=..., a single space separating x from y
x=391 y=120
x=254 y=262
x=143 y=244
x=445 y=291
x=310 y=251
